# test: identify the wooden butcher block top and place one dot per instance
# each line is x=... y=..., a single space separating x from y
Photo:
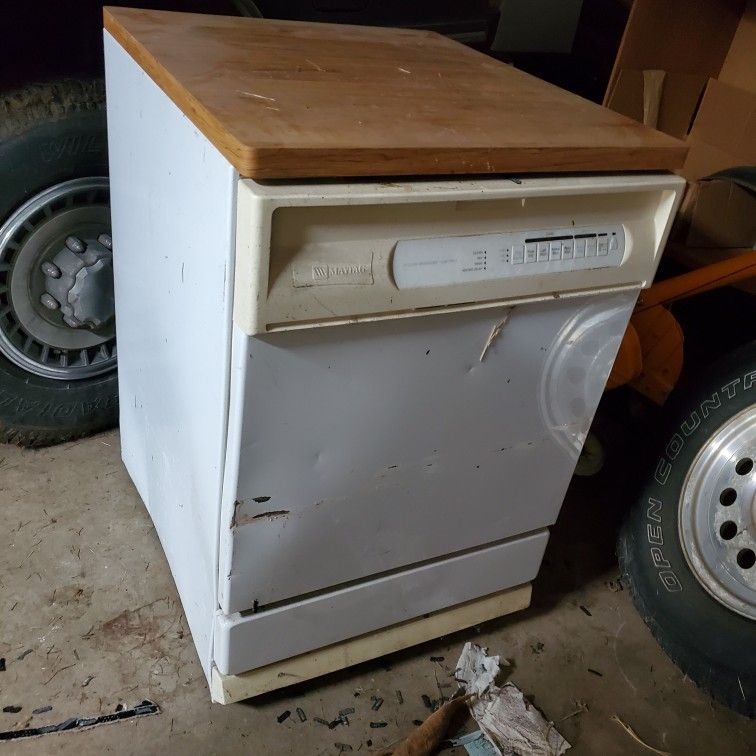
x=286 y=99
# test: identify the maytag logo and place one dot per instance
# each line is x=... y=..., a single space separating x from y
x=320 y=271
x=339 y=271
x=324 y=274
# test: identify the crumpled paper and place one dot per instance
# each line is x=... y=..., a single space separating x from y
x=509 y=721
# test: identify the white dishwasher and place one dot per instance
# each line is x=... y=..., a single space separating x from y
x=413 y=370
x=352 y=407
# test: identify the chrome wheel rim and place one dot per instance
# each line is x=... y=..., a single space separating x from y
x=718 y=514
x=59 y=324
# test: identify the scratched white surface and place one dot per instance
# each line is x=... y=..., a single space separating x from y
x=380 y=445
x=173 y=213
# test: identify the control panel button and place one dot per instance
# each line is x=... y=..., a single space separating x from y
x=531 y=251
x=568 y=248
x=518 y=253
x=555 y=250
x=543 y=251
x=579 y=248
x=590 y=246
x=603 y=245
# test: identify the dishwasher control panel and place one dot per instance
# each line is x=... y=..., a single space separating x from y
x=444 y=261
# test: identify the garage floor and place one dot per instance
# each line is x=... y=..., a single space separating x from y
x=91 y=619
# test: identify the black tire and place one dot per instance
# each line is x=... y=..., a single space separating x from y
x=711 y=644
x=50 y=133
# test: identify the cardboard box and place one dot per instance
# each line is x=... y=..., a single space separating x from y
x=670 y=50
x=721 y=214
x=739 y=67
x=678 y=36
x=676 y=99
x=723 y=133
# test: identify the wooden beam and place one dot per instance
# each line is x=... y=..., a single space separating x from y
x=227 y=689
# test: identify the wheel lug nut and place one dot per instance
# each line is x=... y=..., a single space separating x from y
x=105 y=240
x=75 y=244
x=50 y=269
x=48 y=301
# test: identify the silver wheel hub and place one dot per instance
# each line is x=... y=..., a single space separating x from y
x=57 y=316
x=718 y=514
x=79 y=281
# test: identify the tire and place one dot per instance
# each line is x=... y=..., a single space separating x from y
x=710 y=639
x=50 y=134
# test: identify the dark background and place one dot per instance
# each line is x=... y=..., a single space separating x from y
x=56 y=38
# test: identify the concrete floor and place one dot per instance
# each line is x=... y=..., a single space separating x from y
x=91 y=619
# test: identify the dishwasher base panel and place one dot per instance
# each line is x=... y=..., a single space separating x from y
x=248 y=640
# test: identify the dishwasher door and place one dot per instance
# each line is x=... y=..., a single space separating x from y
x=363 y=449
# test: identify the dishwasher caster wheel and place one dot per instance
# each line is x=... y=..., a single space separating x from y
x=688 y=547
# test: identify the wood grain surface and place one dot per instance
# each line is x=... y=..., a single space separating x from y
x=287 y=99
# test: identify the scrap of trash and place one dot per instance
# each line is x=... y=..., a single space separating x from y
x=504 y=715
x=509 y=724
x=142 y=709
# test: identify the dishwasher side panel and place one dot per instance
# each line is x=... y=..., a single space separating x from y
x=173 y=282
x=368 y=448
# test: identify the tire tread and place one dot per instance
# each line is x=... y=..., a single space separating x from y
x=718 y=682
x=24 y=108
x=74 y=105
